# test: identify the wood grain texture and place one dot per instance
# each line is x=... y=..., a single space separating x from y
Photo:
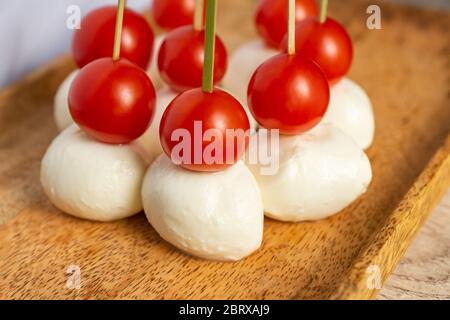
x=424 y=271
x=405 y=69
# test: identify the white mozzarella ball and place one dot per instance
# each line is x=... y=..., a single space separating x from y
x=216 y=216
x=149 y=142
x=241 y=66
x=320 y=173
x=351 y=111
x=61 y=113
x=152 y=70
x=92 y=180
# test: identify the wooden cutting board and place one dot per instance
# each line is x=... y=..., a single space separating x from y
x=405 y=68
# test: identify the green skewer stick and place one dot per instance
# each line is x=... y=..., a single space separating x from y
x=210 y=39
x=198 y=15
x=323 y=11
x=291 y=27
x=119 y=26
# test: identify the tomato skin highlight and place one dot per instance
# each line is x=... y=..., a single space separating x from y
x=95 y=38
x=171 y=14
x=217 y=110
x=112 y=101
x=271 y=18
x=328 y=44
x=289 y=93
x=181 y=56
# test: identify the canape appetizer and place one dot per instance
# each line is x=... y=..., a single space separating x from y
x=322 y=40
x=322 y=170
x=326 y=42
x=209 y=209
x=180 y=63
x=95 y=39
x=199 y=196
x=271 y=23
x=90 y=170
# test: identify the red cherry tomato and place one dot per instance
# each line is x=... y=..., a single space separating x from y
x=288 y=92
x=180 y=59
x=196 y=112
x=328 y=44
x=271 y=18
x=112 y=101
x=95 y=38
x=171 y=14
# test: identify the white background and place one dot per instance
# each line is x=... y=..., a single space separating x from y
x=33 y=32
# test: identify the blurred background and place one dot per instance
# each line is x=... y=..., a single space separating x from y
x=32 y=32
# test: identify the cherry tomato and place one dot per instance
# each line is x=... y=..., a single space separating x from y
x=271 y=18
x=196 y=112
x=180 y=59
x=171 y=14
x=112 y=101
x=95 y=38
x=288 y=92
x=328 y=44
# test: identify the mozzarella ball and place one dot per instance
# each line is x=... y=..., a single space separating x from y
x=241 y=66
x=320 y=173
x=149 y=142
x=92 y=180
x=351 y=111
x=217 y=216
x=61 y=113
x=153 y=70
